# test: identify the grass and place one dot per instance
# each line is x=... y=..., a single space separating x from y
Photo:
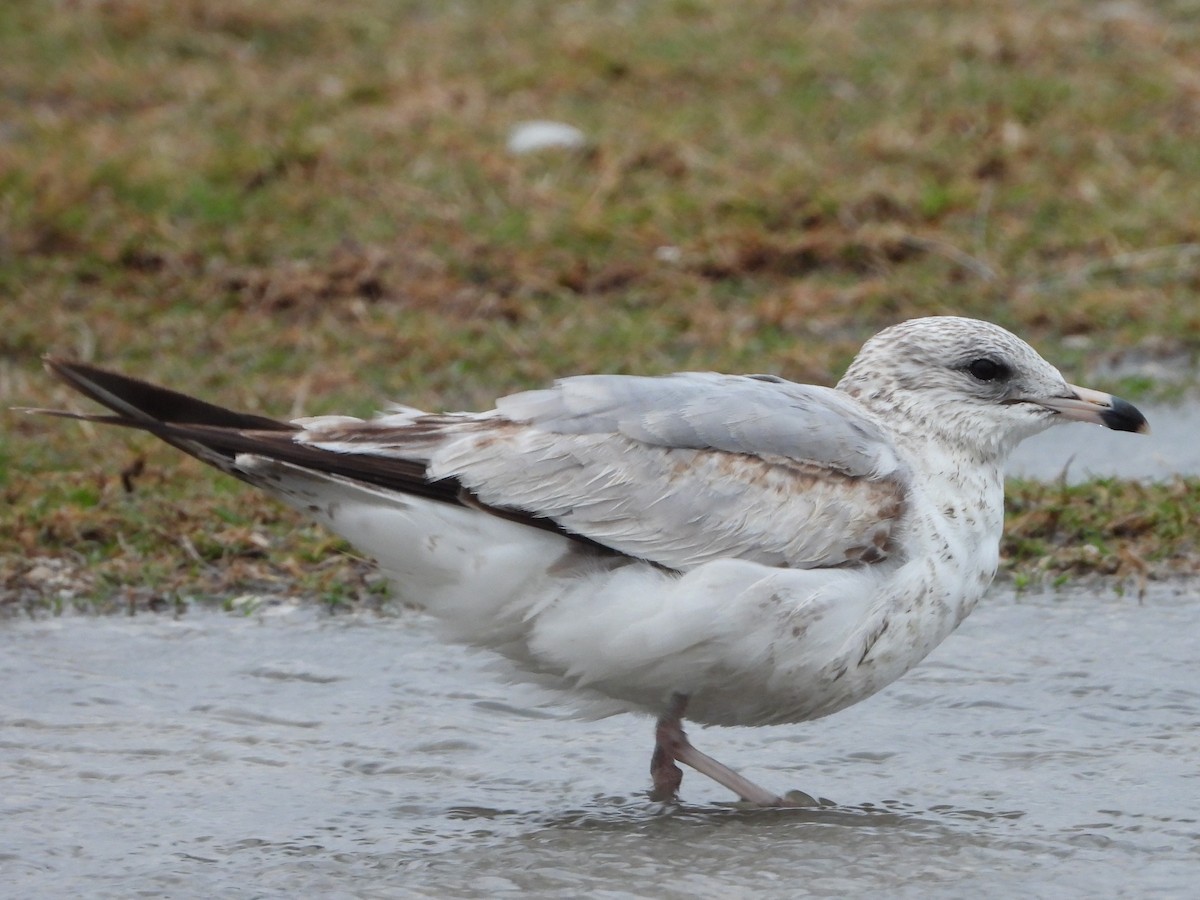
x=304 y=206
x=1130 y=530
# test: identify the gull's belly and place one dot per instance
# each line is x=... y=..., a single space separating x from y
x=827 y=656
x=748 y=644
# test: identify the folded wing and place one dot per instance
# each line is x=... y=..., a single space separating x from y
x=678 y=470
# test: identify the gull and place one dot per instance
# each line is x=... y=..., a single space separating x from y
x=741 y=550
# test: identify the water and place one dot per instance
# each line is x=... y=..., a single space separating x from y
x=1050 y=748
x=1084 y=451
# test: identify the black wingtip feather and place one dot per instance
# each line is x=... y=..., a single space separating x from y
x=217 y=436
x=139 y=399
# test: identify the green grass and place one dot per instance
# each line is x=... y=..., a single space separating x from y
x=304 y=204
x=1127 y=529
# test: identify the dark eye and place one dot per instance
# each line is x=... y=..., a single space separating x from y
x=988 y=370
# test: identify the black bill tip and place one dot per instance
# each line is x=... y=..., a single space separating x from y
x=1124 y=416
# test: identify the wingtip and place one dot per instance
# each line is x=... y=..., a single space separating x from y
x=57 y=366
x=57 y=413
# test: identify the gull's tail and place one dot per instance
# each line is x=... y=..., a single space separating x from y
x=234 y=442
x=182 y=421
x=137 y=401
x=433 y=538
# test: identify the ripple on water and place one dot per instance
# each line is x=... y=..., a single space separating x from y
x=1048 y=748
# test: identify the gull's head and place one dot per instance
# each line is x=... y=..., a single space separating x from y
x=974 y=384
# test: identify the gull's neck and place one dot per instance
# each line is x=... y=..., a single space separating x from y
x=957 y=461
x=958 y=468
x=962 y=483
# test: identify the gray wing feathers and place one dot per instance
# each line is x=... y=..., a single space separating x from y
x=680 y=469
x=682 y=507
x=737 y=414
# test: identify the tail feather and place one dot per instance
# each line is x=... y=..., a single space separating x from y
x=217 y=436
x=147 y=402
x=239 y=443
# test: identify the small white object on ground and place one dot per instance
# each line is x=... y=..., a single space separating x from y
x=541 y=134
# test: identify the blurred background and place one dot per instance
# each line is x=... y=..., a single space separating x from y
x=303 y=207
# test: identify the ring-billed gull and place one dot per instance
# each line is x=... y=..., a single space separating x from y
x=744 y=549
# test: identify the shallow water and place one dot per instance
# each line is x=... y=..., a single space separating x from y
x=1084 y=451
x=1050 y=748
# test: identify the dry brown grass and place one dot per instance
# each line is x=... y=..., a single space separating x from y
x=309 y=206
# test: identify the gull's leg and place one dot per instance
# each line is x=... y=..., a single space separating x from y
x=668 y=736
x=672 y=745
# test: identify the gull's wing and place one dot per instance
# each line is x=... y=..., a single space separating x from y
x=678 y=470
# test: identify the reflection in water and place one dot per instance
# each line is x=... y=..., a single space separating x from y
x=1048 y=748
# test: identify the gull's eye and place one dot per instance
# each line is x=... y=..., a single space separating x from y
x=986 y=369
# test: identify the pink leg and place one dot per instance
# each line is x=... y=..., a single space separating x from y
x=672 y=745
x=666 y=776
